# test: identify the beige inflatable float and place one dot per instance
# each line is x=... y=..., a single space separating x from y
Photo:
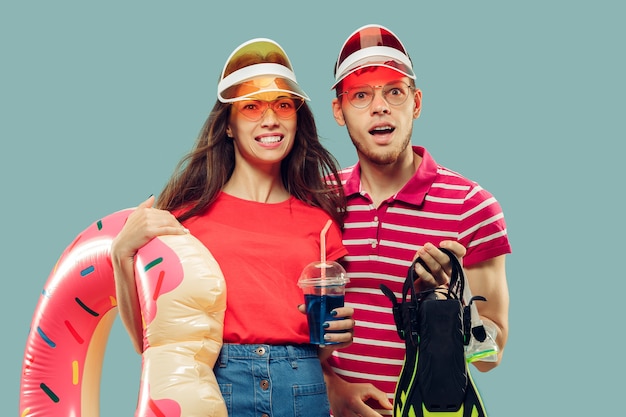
x=183 y=297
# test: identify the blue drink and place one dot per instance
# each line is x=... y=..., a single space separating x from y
x=323 y=285
x=318 y=308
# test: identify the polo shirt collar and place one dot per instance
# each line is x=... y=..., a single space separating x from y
x=414 y=191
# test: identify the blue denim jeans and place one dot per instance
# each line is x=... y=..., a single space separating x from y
x=269 y=380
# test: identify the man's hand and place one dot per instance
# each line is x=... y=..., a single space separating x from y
x=438 y=267
x=348 y=399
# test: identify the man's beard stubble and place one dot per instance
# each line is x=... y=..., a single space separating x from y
x=389 y=157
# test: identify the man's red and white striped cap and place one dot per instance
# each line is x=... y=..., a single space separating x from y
x=372 y=45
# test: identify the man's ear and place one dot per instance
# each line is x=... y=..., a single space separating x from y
x=417 y=98
x=337 y=112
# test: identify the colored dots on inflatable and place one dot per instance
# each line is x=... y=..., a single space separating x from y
x=182 y=296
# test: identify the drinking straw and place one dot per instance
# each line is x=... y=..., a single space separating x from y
x=323 y=246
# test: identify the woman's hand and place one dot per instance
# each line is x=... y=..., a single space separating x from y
x=142 y=225
x=339 y=331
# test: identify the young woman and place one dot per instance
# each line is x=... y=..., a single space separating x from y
x=252 y=190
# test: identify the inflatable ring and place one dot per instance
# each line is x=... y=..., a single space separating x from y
x=182 y=294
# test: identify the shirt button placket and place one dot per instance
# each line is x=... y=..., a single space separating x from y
x=374 y=240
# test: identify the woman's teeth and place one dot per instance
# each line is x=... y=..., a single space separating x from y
x=270 y=139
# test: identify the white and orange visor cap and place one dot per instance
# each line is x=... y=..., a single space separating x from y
x=257 y=66
x=372 y=45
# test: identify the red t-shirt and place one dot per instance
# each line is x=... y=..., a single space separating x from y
x=262 y=249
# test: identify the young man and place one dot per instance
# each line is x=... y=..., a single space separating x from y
x=401 y=203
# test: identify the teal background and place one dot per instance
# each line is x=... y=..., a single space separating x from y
x=99 y=100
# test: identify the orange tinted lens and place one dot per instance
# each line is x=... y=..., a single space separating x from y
x=254 y=110
x=285 y=107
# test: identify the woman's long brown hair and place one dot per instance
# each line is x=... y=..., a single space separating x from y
x=309 y=172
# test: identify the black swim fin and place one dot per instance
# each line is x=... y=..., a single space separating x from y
x=435 y=380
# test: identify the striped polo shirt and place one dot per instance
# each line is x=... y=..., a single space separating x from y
x=436 y=204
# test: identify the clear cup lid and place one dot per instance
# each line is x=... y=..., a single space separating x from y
x=323 y=273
